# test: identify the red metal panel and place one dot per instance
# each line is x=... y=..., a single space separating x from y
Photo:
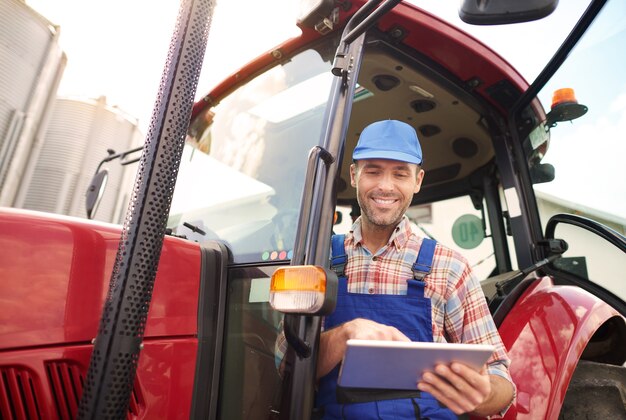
x=166 y=374
x=77 y=388
x=5 y=408
x=17 y=405
x=55 y=274
x=30 y=401
x=449 y=46
x=163 y=389
x=56 y=385
x=65 y=379
x=135 y=405
x=18 y=395
x=545 y=334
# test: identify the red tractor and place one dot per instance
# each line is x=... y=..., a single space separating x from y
x=168 y=316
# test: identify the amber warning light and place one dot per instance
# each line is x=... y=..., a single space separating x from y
x=304 y=289
x=563 y=96
x=564 y=107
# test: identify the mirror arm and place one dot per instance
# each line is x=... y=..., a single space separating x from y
x=121 y=156
x=605 y=232
x=553 y=247
x=300 y=346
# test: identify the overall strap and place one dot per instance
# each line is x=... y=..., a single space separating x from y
x=338 y=257
x=424 y=262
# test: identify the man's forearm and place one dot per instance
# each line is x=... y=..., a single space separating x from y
x=332 y=348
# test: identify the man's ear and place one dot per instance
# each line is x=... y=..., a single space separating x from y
x=353 y=175
x=418 y=180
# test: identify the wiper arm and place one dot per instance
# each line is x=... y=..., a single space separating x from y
x=194 y=228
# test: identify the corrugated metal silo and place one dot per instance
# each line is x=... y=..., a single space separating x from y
x=77 y=139
x=31 y=65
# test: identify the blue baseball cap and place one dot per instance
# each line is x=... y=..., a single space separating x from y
x=389 y=139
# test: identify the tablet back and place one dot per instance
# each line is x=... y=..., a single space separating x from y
x=399 y=364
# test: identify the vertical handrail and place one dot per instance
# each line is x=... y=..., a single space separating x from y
x=319 y=199
x=117 y=346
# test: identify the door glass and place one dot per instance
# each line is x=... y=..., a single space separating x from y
x=588 y=152
x=250 y=386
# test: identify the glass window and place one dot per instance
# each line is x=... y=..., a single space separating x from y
x=250 y=386
x=242 y=180
x=587 y=153
x=456 y=224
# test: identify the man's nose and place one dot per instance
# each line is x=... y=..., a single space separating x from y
x=386 y=183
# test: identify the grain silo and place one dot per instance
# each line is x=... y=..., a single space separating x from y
x=31 y=65
x=77 y=139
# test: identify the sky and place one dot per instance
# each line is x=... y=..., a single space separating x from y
x=118 y=48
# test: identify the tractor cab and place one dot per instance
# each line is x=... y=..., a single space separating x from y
x=266 y=168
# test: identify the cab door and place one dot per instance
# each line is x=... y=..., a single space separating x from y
x=566 y=319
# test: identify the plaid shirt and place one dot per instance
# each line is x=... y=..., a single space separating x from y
x=459 y=310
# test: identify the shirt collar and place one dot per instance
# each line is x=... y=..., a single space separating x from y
x=399 y=237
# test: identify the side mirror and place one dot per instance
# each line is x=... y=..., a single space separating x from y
x=95 y=191
x=596 y=256
x=500 y=12
x=542 y=172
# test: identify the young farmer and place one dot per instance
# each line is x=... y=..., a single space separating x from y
x=385 y=295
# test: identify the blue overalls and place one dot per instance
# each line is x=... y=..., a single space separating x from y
x=411 y=314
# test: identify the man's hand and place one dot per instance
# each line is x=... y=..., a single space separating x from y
x=365 y=329
x=333 y=341
x=465 y=390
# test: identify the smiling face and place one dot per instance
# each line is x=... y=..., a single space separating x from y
x=385 y=189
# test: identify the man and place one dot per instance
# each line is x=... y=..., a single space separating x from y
x=380 y=291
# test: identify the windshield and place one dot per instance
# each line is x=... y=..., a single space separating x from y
x=242 y=171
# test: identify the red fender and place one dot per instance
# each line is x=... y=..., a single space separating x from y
x=545 y=333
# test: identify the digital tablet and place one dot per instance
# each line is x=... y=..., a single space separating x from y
x=399 y=364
